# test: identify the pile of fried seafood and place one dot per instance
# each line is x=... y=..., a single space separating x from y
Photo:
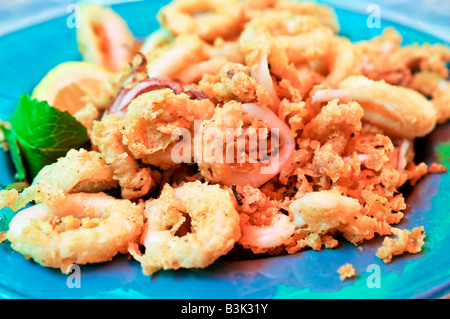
x=346 y=115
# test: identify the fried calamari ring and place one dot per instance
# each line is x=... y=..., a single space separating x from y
x=273 y=45
x=170 y=59
x=154 y=117
x=325 y=14
x=78 y=171
x=301 y=37
x=156 y=40
x=342 y=61
x=208 y=19
x=259 y=52
x=213 y=232
x=134 y=181
x=326 y=212
x=264 y=225
x=195 y=72
x=254 y=162
x=235 y=83
x=187 y=58
x=399 y=111
x=437 y=88
x=263 y=238
x=385 y=58
x=81 y=229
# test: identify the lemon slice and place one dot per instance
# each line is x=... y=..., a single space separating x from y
x=71 y=85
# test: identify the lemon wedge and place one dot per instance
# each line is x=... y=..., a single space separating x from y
x=71 y=85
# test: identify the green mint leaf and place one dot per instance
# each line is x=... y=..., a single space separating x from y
x=15 y=152
x=43 y=134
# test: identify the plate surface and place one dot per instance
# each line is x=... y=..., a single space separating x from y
x=27 y=55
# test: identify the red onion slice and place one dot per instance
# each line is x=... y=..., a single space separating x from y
x=125 y=96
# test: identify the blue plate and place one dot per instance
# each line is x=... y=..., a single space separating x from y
x=27 y=55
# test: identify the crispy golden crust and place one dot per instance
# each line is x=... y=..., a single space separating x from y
x=346 y=271
x=346 y=114
x=82 y=229
x=79 y=170
x=214 y=228
x=407 y=241
x=135 y=182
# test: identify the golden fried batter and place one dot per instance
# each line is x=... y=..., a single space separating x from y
x=245 y=125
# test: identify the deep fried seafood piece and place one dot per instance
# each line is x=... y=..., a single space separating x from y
x=375 y=58
x=383 y=208
x=410 y=241
x=279 y=40
x=81 y=229
x=187 y=58
x=335 y=118
x=403 y=154
x=384 y=58
x=134 y=181
x=195 y=72
x=292 y=109
x=427 y=58
x=234 y=82
x=172 y=58
x=257 y=5
x=257 y=52
x=326 y=212
x=324 y=14
x=341 y=61
x=156 y=40
x=154 y=118
x=262 y=238
x=207 y=19
x=264 y=227
x=213 y=231
x=78 y=171
x=260 y=43
x=399 y=111
x=87 y=115
x=301 y=37
x=104 y=38
x=227 y=49
x=332 y=128
x=346 y=271
x=8 y=198
x=242 y=144
x=437 y=88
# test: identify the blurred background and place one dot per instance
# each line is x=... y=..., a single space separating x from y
x=431 y=16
